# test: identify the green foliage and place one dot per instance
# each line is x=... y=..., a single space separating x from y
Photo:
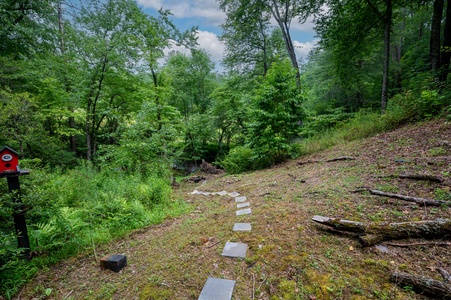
x=277 y=114
x=317 y=123
x=70 y=212
x=363 y=124
x=240 y=159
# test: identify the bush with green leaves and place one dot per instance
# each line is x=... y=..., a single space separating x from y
x=240 y=159
x=277 y=115
x=77 y=210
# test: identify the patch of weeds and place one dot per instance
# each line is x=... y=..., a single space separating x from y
x=329 y=253
x=377 y=217
x=297 y=198
x=153 y=291
x=106 y=292
x=288 y=289
x=442 y=194
x=155 y=279
x=437 y=151
x=387 y=188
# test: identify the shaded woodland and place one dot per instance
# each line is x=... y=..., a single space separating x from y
x=107 y=116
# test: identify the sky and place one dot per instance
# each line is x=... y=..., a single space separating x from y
x=207 y=16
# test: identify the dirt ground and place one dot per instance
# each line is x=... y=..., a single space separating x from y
x=289 y=256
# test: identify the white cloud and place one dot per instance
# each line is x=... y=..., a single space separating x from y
x=211 y=44
x=307 y=26
x=207 y=41
x=207 y=9
x=303 y=49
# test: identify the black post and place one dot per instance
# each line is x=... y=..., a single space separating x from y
x=19 y=215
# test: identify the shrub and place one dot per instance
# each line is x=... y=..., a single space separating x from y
x=239 y=159
x=77 y=210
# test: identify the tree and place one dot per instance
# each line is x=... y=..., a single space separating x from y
x=229 y=111
x=436 y=28
x=445 y=56
x=108 y=42
x=193 y=81
x=249 y=20
x=246 y=34
x=26 y=27
x=277 y=114
x=350 y=29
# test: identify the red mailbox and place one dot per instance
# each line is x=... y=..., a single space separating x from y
x=9 y=160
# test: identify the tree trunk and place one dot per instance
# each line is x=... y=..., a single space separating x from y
x=445 y=56
x=73 y=139
x=375 y=233
x=284 y=25
x=423 y=284
x=434 y=50
x=61 y=27
x=387 y=29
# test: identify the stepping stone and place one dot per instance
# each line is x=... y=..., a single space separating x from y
x=222 y=193
x=234 y=194
x=242 y=227
x=240 y=199
x=206 y=193
x=195 y=192
x=243 y=212
x=241 y=205
x=217 y=289
x=232 y=249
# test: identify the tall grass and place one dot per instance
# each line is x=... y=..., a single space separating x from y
x=363 y=124
x=74 y=212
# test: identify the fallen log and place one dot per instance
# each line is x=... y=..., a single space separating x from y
x=374 y=233
x=419 y=244
x=421 y=201
x=421 y=177
x=344 y=225
x=307 y=162
x=340 y=158
x=423 y=284
x=445 y=274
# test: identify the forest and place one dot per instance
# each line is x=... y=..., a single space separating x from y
x=106 y=116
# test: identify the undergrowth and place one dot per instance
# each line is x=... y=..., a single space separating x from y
x=73 y=212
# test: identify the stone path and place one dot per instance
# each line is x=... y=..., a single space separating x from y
x=217 y=288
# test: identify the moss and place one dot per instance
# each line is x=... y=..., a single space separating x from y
x=288 y=289
x=154 y=292
x=318 y=284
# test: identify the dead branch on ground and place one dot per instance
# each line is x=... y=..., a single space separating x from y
x=421 y=201
x=422 y=284
x=374 y=233
x=425 y=177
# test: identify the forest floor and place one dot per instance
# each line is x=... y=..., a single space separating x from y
x=289 y=256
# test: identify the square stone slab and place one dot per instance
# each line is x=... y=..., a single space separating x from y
x=234 y=194
x=241 y=205
x=222 y=193
x=217 y=289
x=243 y=212
x=232 y=249
x=242 y=227
x=240 y=199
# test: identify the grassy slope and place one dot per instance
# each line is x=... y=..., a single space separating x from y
x=289 y=257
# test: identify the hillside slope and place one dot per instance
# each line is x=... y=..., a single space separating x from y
x=289 y=256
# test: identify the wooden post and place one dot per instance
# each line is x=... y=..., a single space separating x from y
x=19 y=215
